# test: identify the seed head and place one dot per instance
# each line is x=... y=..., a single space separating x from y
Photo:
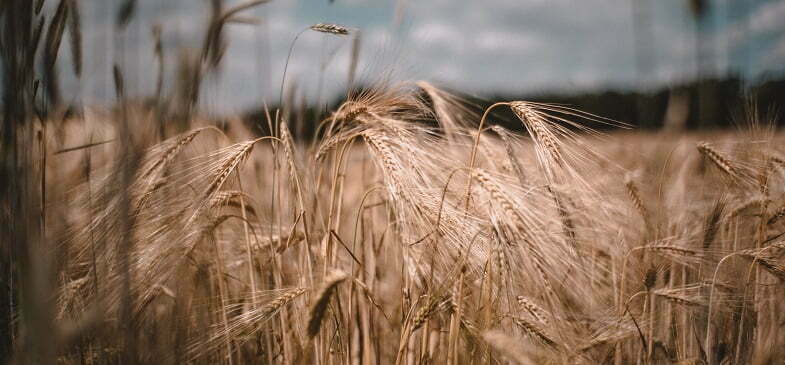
x=330 y=28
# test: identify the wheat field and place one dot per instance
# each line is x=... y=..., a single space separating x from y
x=405 y=236
x=413 y=229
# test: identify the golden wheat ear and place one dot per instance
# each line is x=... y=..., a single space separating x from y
x=330 y=28
x=319 y=308
x=242 y=328
x=718 y=159
x=453 y=113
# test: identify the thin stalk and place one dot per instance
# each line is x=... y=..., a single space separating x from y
x=286 y=66
x=474 y=150
x=248 y=250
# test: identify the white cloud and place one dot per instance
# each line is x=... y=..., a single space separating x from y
x=505 y=41
x=773 y=58
x=436 y=33
x=768 y=17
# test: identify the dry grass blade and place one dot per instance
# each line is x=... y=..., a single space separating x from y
x=214 y=44
x=158 y=51
x=355 y=58
x=242 y=7
x=54 y=36
x=119 y=85
x=36 y=40
x=368 y=294
x=77 y=148
x=39 y=4
x=75 y=34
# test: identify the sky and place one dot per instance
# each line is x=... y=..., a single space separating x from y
x=476 y=47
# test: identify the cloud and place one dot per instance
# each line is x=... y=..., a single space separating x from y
x=767 y=18
x=773 y=59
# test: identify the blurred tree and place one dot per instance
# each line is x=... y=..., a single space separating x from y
x=21 y=284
